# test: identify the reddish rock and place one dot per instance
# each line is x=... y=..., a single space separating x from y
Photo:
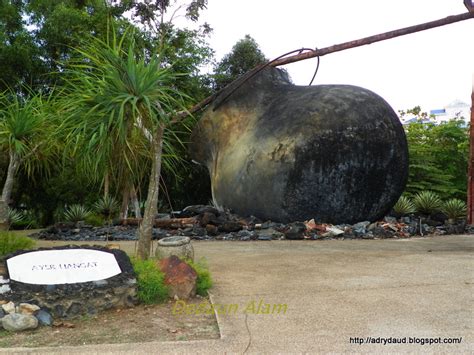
x=179 y=277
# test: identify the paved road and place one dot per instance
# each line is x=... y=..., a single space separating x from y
x=366 y=290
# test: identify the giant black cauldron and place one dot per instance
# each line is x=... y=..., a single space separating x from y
x=335 y=153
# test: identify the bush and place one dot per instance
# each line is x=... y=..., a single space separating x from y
x=204 y=280
x=404 y=206
x=9 y=243
x=454 y=208
x=107 y=207
x=427 y=202
x=94 y=220
x=76 y=213
x=150 y=279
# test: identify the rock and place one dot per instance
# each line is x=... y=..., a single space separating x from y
x=17 y=322
x=208 y=218
x=44 y=318
x=296 y=231
x=179 y=277
x=335 y=153
x=360 y=228
x=212 y=230
x=2 y=313
x=5 y=288
x=9 y=307
x=332 y=232
x=270 y=233
x=195 y=210
x=26 y=308
x=230 y=226
x=389 y=219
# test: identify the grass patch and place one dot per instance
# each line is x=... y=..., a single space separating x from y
x=11 y=242
x=204 y=280
x=150 y=280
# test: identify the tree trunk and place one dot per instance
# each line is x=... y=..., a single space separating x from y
x=135 y=203
x=125 y=197
x=7 y=190
x=151 y=205
x=106 y=184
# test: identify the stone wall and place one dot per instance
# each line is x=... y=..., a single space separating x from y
x=76 y=299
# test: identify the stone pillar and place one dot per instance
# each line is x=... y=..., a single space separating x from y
x=3 y=216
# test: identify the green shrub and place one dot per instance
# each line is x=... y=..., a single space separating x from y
x=107 y=207
x=15 y=216
x=427 y=202
x=22 y=219
x=150 y=279
x=454 y=208
x=404 y=206
x=94 y=220
x=9 y=243
x=76 y=213
x=204 y=280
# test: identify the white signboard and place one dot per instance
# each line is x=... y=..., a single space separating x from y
x=65 y=266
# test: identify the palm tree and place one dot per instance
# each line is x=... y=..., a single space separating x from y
x=25 y=135
x=120 y=105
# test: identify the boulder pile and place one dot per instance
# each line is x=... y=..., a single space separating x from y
x=202 y=222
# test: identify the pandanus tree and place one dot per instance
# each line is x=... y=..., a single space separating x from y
x=120 y=105
x=26 y=126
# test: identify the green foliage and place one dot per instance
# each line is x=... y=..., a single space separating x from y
x=244 y=56
x=454 y=208
x=9 y=243
x=107 y=207
x=15 y=216
x=150 y=279
x=204 y=280
x=94 y=220
x=404 y=206
x=438 y=156
x=427 y=202
x=76 y=213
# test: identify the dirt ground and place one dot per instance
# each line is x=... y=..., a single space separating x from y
x=132 y=325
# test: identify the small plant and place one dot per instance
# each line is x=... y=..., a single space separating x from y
x=204 y=281
x=150 y=279
x=15 y=216
x=94 y=220
x=454 y=209
x=107 y=207
x=404 y=206
x=76 y=213
x=427 y=202
x=9 y=243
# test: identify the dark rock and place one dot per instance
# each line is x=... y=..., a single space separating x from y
x=433 y=223
x=212 y=230
x=208 y=218
x=295 y=231
x=439 y=216
x=44 y=318
x=179 y=277
x=2 y=313
x=195 y=210
x=230 y=226
x=278 y=151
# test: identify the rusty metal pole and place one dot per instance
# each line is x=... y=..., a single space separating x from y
x=470 y=174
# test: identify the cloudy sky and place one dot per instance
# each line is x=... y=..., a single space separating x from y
x=430 y=68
